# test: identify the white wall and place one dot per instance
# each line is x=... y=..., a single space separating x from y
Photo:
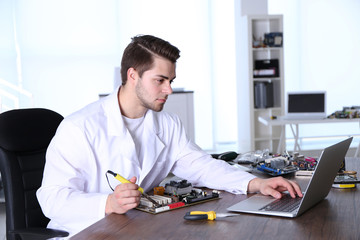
x=69 y=49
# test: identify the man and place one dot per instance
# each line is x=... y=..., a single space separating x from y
x=127 y=133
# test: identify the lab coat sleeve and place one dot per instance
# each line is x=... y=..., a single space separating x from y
x=201 y=169
x=63 y=195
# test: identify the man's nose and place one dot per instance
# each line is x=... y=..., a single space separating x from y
x=168 y=89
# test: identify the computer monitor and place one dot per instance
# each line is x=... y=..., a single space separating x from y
x=306 y=104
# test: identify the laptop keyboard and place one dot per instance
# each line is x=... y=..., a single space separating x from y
x=285 y=204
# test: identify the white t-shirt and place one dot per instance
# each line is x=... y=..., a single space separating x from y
x=136 y=129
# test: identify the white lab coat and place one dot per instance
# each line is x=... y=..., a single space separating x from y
x=93 y=140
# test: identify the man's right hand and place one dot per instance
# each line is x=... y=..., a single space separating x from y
x=126 y=196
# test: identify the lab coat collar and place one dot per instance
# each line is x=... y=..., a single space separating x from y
x=112 y=111
x=116 y=126
x=152 y=144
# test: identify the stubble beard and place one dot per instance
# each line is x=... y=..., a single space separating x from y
x=141 y=93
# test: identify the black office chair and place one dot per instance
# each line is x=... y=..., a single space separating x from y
x=24 y=137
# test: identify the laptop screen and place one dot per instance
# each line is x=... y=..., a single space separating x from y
x=311 y=104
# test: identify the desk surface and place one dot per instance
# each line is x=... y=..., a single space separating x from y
x=282 y=121
x=336 y=217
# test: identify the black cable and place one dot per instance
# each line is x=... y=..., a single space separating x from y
x=107 y=178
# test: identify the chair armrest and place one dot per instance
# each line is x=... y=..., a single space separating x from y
x=39 y=233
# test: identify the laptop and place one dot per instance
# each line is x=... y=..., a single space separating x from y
x=318 y=188
x=305 y=105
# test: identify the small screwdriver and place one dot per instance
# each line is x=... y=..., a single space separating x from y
x=211 y=215
x=124 y=180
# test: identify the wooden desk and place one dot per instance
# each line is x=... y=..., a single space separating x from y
x=336 y=217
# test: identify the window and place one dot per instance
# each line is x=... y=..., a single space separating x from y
x=321 y=51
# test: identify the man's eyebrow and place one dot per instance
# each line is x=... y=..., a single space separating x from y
x=162 y=76
x=165 y=77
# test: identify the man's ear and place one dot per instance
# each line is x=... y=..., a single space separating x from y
x=132 y=75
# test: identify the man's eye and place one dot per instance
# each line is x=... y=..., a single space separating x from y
x=171 y=81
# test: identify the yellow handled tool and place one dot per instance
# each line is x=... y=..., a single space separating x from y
x=211 y=215
x=197 y=215
x=124 y=180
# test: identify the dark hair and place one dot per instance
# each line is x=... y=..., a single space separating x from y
x=139 y=54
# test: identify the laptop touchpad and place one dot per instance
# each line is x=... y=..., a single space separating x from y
x=254 y=202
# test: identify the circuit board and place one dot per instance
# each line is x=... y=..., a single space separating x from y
x=263 y=167
x=277 y=164
x=346 y=179
x=176 y=194
x=281 y=165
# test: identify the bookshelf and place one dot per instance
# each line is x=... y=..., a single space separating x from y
x=260 y=81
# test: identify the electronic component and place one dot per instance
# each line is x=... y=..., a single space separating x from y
x=276 y=164
x=159 y=190
x=345 y=179
x=177 y=194
x=347 y=112
x=178 y=188
x=273 y=39
x=304 y=163
x=276 y=171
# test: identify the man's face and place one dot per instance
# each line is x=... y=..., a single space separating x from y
x=153 y=88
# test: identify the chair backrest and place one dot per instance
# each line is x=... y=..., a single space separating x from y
x=24 y=137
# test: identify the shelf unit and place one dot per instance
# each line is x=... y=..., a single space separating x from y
x=251 y=133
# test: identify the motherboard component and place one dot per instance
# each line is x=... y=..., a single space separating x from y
x=277 y=164
x=177 y=194
x=178 y=188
